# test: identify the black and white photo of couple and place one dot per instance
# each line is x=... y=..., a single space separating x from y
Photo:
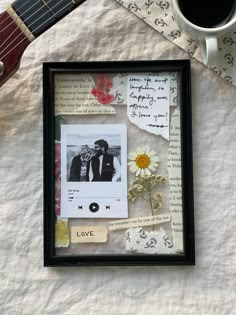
x=99 y=163
x=94 y=170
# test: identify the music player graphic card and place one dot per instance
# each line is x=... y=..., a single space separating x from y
x=94 y=171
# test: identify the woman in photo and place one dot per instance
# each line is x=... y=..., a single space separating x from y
x=79 y=171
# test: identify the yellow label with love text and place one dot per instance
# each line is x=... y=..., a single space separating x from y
x=88 y=234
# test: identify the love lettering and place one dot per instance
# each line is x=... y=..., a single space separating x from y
x=85 y=233
x=88 y=234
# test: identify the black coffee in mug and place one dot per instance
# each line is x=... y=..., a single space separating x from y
x=208 y=13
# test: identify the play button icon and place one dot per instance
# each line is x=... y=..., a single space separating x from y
x=93 y=207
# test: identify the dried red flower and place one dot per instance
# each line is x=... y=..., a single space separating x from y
x=101 y=90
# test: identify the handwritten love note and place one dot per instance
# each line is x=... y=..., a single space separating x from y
x=148 y=102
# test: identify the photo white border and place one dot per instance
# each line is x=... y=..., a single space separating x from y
x=77 y=198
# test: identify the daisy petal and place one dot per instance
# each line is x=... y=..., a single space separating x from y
x=154 y=159
x=147 y=171
x=154 y=164
x=152 y=168
x=153 y=154
x=148 y=150
x=133 y=168
x=138 y=172
x=140 y=150
x=143 y=171
x=132 y=155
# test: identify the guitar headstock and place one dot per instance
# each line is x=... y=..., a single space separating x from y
x=12 y=45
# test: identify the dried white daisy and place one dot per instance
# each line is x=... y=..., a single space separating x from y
x=143 y=161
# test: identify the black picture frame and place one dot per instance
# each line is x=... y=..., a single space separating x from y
x=183 y=68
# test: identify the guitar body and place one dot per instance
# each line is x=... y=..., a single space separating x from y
x=12 y=45
x=21 y=23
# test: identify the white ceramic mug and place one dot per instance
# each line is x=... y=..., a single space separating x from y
x=208 y=37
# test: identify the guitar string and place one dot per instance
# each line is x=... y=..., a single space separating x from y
x=24 y=21
x=25 y=38
x=30 y=25
x=3 y=21
x=13 y=21
x=8 y=16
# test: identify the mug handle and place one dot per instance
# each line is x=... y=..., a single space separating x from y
x=209 y=48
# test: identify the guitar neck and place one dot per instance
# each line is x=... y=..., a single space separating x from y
x=21 y=23
x=40 y=15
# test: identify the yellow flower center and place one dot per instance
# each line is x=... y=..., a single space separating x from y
x=142 y=160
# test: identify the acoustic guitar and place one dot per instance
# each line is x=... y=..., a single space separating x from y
x=21 y=23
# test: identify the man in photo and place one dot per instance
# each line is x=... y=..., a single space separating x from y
x=79 y=171
x=104 y=167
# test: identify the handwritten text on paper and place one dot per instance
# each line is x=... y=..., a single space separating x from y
x=148 y=102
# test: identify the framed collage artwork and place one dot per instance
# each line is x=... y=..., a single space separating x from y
x=118 y=183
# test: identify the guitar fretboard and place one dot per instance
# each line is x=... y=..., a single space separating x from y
x=40 y=15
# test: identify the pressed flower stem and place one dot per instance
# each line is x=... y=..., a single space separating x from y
x=150 y=201
x=145 y=199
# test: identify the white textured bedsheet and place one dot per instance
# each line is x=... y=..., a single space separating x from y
x=104 y=30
